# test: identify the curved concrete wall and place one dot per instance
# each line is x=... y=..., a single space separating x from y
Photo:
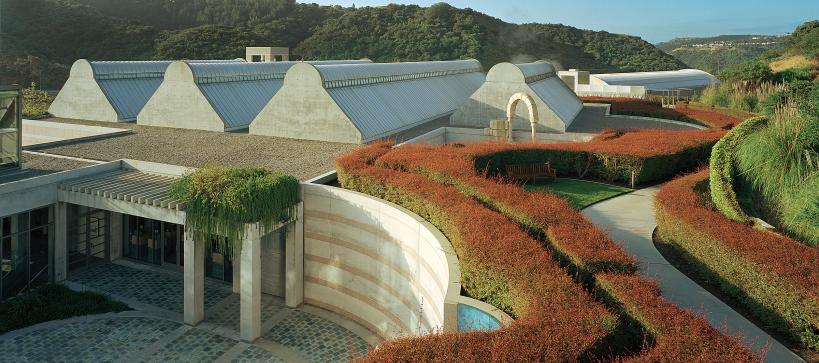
x=377 y=263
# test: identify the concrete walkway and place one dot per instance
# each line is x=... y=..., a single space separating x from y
x=629 y=219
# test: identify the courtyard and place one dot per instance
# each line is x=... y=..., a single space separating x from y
x=154 y=331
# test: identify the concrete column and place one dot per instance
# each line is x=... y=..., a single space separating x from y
x=294 y=261
x=237 y=276
x=534 y=131
x=115 y=236
x=250 y=315
x=194 y=280
x=60 y=241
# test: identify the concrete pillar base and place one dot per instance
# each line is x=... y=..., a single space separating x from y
x=194 y=280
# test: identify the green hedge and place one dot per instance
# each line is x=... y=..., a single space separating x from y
x=601 y=166
x=723 y=170
x=52 y=302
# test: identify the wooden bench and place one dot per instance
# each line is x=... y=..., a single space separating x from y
x=531 y=172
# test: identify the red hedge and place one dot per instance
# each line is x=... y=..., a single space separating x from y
x=494 y=251
x=556 y=319
x=572 y=235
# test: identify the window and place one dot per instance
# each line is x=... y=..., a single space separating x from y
x=26 y=240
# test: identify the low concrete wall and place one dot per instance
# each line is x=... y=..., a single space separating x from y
x=449 y=135
x=377 y=263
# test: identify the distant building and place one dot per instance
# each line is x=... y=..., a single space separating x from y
x=637 y=84
x=267 y=54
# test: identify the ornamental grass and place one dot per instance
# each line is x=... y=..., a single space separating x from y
x=220 y=201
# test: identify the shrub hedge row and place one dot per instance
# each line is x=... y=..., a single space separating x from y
x=556 y=319
x=628 y=157
x=646 y=108
x=775 y=277
x=505 y=266
x=573 y=237
x=723 y=170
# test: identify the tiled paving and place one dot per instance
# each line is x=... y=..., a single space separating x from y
x=103 y=340
x=141 y=335
x=154 y=288
x=256 y=354
x=227 y=315
x=317 y=339
x=194 y=346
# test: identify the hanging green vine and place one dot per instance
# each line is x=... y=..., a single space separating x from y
x=219 y=202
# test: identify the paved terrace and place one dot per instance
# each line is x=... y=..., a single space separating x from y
x=303 y=159
x=154 y=331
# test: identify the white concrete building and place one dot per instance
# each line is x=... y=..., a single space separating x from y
x=358 y=103
x=215 y=96
x=547 y=103
x=267 y=54
x=109 y=91
x=636 y=84
x=362 y=258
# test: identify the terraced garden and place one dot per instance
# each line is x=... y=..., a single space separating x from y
x=575 y=294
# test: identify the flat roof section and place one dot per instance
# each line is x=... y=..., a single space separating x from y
x=44 y=133
x=37 y=165
x=302 y=159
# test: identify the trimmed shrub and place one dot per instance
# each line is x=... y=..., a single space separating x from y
x=501 y=264
x=635 y=157
x=641 y=300
x=775 y=277
x=574 y=239
x=723 y=170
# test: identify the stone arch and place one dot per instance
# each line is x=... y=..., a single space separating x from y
x=530 y=105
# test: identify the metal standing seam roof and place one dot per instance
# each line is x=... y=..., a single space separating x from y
x=543 y=80
x=239 y=91
x=129 y=84
x=384 y=98
x=683 y=78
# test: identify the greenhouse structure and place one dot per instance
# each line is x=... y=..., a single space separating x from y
x=358 y=103
x=545 y=101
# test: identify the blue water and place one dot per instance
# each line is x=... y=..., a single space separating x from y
x=471 y=318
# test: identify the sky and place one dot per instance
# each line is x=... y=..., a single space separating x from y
x=653 y=20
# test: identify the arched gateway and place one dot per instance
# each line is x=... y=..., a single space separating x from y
x=530 y=105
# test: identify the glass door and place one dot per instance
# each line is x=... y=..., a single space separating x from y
x=152 y=241
x=218 y=265
x=87 y=236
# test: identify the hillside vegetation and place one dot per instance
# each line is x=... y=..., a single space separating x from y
x=43 y=37
x=714 y=54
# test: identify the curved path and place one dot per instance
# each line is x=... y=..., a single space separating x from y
x=629 y=219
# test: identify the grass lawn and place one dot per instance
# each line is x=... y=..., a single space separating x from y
x=579 y=193
x=52 y=302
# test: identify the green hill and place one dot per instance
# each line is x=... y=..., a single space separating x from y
x=714 y=54
x=41 y=38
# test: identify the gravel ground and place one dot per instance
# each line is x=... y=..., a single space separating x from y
x=194 y=148
x=36 y=165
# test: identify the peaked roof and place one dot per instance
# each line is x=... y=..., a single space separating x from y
x=384 y=98
x=129 y=84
